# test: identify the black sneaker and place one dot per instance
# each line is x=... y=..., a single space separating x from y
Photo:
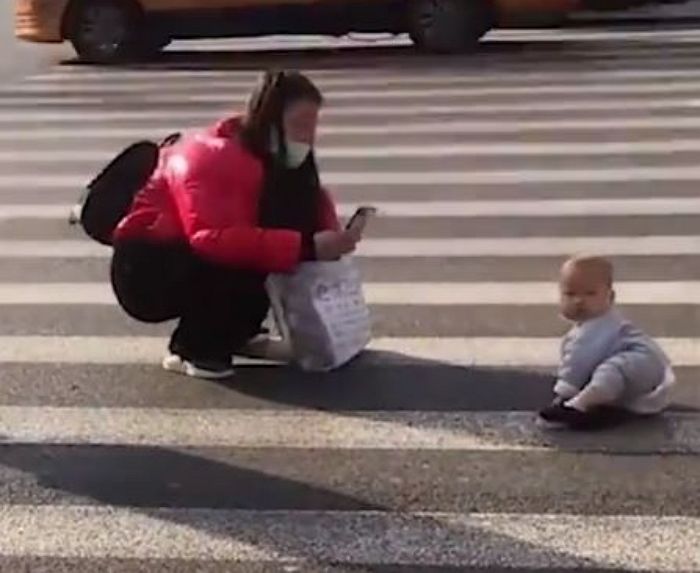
x=558 y=415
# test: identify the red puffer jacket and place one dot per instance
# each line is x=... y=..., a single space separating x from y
x=206 y=190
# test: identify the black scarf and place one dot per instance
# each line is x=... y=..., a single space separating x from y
x=290 y=197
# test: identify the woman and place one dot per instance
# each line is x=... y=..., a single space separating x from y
x=224 y=208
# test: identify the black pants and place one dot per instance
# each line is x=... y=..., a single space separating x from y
x=219 y=309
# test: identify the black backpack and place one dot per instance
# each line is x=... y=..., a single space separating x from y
x=108 y=197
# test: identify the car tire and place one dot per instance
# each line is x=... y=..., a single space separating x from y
x=449 y=26
x=107 y=31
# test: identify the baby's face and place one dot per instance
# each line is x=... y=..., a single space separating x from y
x=583 y=294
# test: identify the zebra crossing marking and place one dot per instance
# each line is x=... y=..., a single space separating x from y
x=529 y=208
x=509 y=126
x=390 y=87
x=68 y=116
x=299 y=429
x=339 y=77
x=411 y=248
x=391 y=536
x=607 y=148
x=502 y=351
x=352 y=537
x=391 y=293
x=401 y=179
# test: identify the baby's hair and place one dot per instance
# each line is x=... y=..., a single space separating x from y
x=596 y=265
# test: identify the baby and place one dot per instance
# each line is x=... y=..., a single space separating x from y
x=607 y=365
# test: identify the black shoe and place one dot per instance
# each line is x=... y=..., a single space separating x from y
x=559 y=415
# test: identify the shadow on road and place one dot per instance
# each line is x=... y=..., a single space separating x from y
x=158 y=482
x=418 y=385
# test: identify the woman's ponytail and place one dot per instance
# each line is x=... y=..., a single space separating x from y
x=264 y=113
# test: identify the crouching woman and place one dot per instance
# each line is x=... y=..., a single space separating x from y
x=224 y=208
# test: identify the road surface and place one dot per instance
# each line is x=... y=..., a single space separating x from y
x=19 y=58
x=423 y=455
x=684 y=11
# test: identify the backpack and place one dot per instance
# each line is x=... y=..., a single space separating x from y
x=108 y=197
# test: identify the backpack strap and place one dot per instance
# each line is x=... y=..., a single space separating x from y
x=171 y=139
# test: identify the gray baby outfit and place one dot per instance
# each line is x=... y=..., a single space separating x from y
x=611 y=352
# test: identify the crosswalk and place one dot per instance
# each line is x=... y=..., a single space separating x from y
x=423 y=455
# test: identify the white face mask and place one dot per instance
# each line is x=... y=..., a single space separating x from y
x=297 y=151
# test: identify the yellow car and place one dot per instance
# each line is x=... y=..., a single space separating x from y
x=112 y=30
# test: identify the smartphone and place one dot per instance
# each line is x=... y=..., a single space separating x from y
x=361 y=216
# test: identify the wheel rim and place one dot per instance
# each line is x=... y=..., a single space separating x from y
x=104 y=28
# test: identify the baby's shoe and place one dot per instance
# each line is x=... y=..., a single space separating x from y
x=559 y=415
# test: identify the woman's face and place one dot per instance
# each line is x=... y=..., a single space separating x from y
x=300 y=120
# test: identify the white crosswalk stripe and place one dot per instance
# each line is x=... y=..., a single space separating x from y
x=282 y=536
x=408 y=248
x=450 y=209
x=388 y=293
x=420 y=151
x=425 y=451
x=195 y=117
x=483 y=431
x=397 y=127
x=504 y=352
x=400 y=179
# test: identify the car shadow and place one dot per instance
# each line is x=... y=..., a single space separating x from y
x=396 y=54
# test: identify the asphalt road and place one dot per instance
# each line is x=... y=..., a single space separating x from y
x=423 y=455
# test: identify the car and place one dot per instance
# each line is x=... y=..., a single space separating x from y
x=105 y=31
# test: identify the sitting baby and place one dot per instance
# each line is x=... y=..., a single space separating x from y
x=607 y=365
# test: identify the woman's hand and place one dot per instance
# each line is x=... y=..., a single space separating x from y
x=331 y=245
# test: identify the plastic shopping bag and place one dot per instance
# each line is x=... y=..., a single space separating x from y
x=321 y=310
